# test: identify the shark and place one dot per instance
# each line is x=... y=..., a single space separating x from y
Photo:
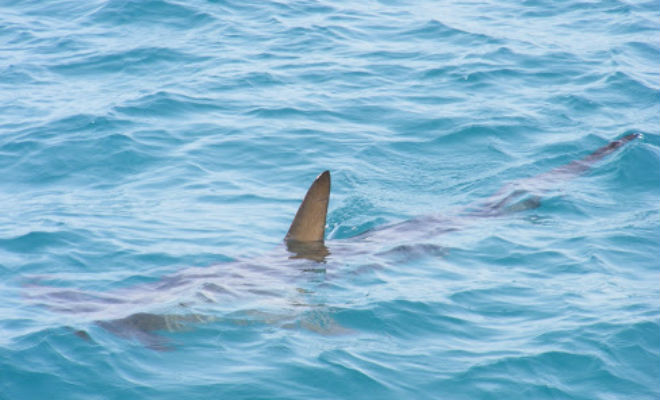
x=267 y=285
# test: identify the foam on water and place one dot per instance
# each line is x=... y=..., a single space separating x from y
x=141 y=138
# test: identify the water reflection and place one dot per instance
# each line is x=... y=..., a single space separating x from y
x=314 y=251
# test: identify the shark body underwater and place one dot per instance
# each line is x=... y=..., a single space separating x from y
x=199 y=295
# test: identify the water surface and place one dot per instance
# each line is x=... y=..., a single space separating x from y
x=142 y=138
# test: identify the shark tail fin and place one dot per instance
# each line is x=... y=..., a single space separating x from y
x=309 y=223
x=579 y=166
x=526 y=193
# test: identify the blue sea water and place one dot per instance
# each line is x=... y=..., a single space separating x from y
x=142 y=138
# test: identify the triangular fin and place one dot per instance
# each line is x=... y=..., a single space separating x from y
x=309 y=223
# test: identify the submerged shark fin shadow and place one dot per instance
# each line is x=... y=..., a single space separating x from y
x=145 y=327
x=307 y=231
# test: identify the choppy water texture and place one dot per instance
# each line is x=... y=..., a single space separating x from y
x=142 y=138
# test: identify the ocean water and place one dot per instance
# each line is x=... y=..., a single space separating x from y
x=140 y=139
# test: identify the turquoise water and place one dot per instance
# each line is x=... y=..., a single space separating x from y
x=139 y=139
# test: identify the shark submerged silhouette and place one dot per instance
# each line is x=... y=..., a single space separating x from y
x=195 y=295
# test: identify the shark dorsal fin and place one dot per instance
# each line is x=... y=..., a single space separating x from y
x=309 y=223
